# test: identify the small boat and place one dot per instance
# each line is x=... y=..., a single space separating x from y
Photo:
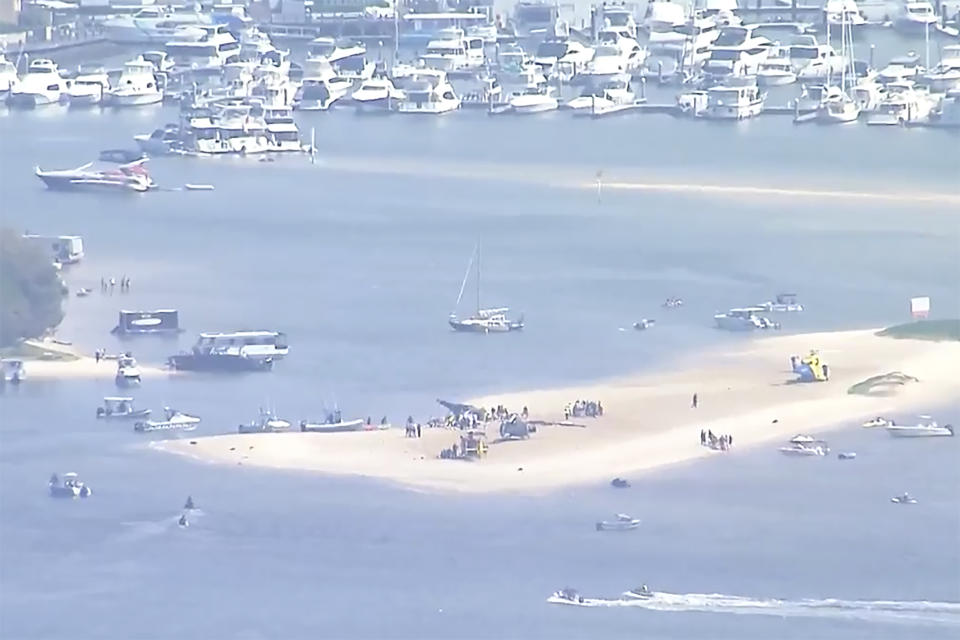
x=188 y=505
x=83 y=292
x=672 y=303
x=877 y=422
x=120 y=408
x=482 y=320
x=128 y=372
x=183 y=522
x=333 y=424
x=198 y=187
x=804 y=450
x=927 y=428
x=802 y=439
x=566 y=596
x=639 y=593
x=623 y=522
x=644 y=324
x=126 y=177
x=619 y=483
x=847 y=456
x=68 y=487
x=266 y=422
x=906 y=498
x=175 y=421
x=784 y=302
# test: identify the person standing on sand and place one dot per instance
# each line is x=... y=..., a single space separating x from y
x=695 y=402
x=418 y=429
x=703 y=437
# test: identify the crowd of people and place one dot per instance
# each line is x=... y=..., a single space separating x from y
x=715 y=442
x=583 y=409
x=108 y=285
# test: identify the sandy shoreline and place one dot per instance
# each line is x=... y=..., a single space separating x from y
x=76 y=365
x=745 y=389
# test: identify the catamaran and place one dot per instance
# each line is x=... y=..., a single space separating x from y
x=483 y=320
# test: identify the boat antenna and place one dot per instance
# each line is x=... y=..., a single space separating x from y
x=463 y=285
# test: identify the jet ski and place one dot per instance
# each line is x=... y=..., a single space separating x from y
x=644 y=324
x=639 y=593
x=906 y=498
x=619 y=483
x=183 y=521
x=847 y=456
x=567 y=595
x=623 y=522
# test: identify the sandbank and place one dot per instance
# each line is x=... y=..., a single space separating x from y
x=45 y=360
x=745 y=388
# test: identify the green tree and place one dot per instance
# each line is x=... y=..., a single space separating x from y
x=31 y=292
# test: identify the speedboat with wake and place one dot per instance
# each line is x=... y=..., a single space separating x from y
x=639 y=593
x=644 y=324
x=906 y=498
x=126 y=177
x=623 y=522
x=566 y=596
x=926 y=428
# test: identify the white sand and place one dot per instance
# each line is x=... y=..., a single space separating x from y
x=77 y=366
x=648 y=420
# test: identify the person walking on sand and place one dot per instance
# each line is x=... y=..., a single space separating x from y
x=418 y=429
x=695 y=402
x=96 y=355
x=703 y=437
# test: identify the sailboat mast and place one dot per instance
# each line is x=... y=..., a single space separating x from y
x=478 y=278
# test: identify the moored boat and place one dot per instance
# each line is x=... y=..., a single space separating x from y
x=622 y=522
x=175 y=421
x=927 y=428
x=638 y=593
x=120 y=408
x=266 y=422
x=70 y=486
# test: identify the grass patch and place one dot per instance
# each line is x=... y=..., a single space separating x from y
x=936 y=330
x=29 y=351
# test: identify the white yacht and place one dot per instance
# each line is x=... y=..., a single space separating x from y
x=817 y=62
x=334 y=50
x=619 y=17
x=321 y=86
x=562 y=57
x=376 y=94
x=901 y=68
x=266 y=422
x=663 y=16
x=839 y=12
x=8 y=76
x=903 y=104
x=41 y=85
x=272 y=88
x=609 y=97
x=161 y=61
x=868 y=94
x=128 y=372
x=744 y=319
x=614 y=54
x=89 y=87
x=428 y=92
x=534 y=99
x=173 y=421
x=777 y=70
x=739 y=99
x=737 y=51
x=693 y=40
x=282 y=132
x=137 y=85
x=203 y=48
x=151 y=24
x=946 y=75
x=927 y=428
x=915 y=17
x=453 y=52
x=814 y=96
x=241 y=132
x=803 y=450
x=516 y=69
x=947 y=113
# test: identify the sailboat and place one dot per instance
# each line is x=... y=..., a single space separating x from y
x=492 y=320
x=842 y=108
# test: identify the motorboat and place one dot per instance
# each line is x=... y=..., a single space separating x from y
x=428 y=91
x=566 y=596
x=906 y=498
x=173 y=421
x=89 y=87
x=483 y=320
x=240 y=131
x=283 y=135
x=151 y=24
x=69 y=486
x=841 y=110
x=237 y=351
x=120 y=407
x=777 y=70
x=203 y=47
x=41 y=85
x=333 y=50
x=183 y=523
x=615 y=54
x=333 y=423
x=611 y=96
x=618 y=17
x=137 y=85
x=562 y=57
x=737 y=51
x=876 y=422
x=454 y=52
x=815 y=96
x=620 y=483
x=804 y=450
x=804 y=439
x=160 y=141
x=847 y=455
x=162 y=63
x=941 y=78
x=638 y=593
x=947 y=113
x=900 y=68
x=915 y=17
x=904 y=103
x=644 y=324
x=816 y=63
x=266 y=422
x=321 y=86
x=376 y=94
x=516 y=69
x=622 y=522
x=926 y=428
x=534 y=99
x=739 y=99
x=128 y=372
x=784 y=302
x=127 y=177
x=840 y=12
x=8 y=76
x=489 y=95
x=143 y=323
x=662 y=19
x=672 y=303
x=868 y=94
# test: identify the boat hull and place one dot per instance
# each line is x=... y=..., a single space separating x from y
x=914 y=432
x=135 y=99
x=335 y=427
x=470 y=327
x=218 y=362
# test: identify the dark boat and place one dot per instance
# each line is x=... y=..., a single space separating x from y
x=218 y=362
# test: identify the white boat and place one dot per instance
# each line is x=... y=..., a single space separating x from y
x=638 y=593
x=927 y=428
x=321 y=86
x=128 y=372
x=242 y=132
x=428 y=92
x=947 y=113
x=943 y=77
x=8 y=76
x=903 y=104
x=42 y=84
x=203 y=47
x=739 y=99
x=534 y=99
x=876 y=422
x=784 y=302
x=127 y=177
x=162 y=63
x=804 y=450
x=334 y=423
x=454 y=52
x=160 y=141
x=816 y=62
x=334 y=50
x=120 y=407
x=137 y=85
x=376 y=94
x=152 y=24
x=235 y=351
x=814 y=96
x=482 y=320
x=70 y=486
x=868 y=94
x=906 y=498
x=915 y=17
x=516 y=69
x=615 y=54
x=843 y=108
x=777 y=70
x=661 y=23
x=744 y=319
x=566 y=596
x=266 y=422
x=900 y=68
x=737 y=51
x=622 y=522
x=839 y=12
x=619 y=17
x=283 y=135
x=488 y=95
x=89 y=88
x=174 y=421
x=609 y=97
x=562 y=57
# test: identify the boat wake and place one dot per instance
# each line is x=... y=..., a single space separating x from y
x=922 y=611
x=142 y=529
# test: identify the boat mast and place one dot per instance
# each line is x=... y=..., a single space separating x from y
x=463 y=284
x=478 y=278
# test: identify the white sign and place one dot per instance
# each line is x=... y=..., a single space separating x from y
x=920 y=307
